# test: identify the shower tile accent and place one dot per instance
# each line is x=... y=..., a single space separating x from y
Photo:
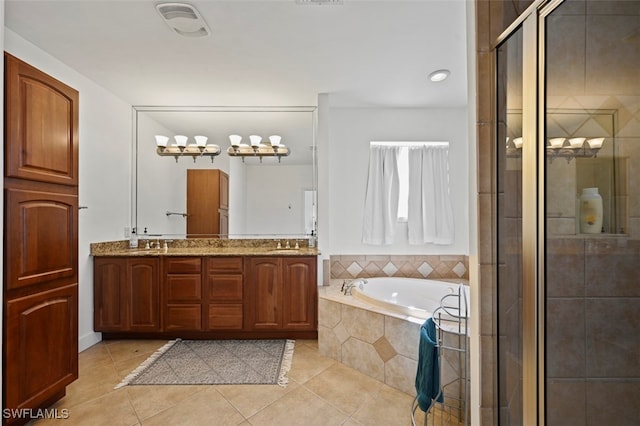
x=427 y=266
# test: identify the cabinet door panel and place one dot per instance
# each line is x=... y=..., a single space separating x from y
x=264 y=288
x=41 y=231
x=225 y=287
x=183 y=265
x=224 y=264
x=144 y=300
x=299 y=293
x=183 y=288
x=41 y=125
x=41 y=346
x=225 y=316
x=109 y=296
x=183 y=317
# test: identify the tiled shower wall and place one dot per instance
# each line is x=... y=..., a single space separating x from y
x=593 y=312
x=431 y=267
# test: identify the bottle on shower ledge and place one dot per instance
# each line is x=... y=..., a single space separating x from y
x=590 y=211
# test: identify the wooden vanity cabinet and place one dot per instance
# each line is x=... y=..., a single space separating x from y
x=281 y=293
x=183 y=308
x=126 y=294
x=206 y=296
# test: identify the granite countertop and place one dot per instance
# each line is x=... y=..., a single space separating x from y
x=202 y=247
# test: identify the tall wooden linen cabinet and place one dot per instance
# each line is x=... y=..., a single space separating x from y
x=40 y=283
x=207 y=203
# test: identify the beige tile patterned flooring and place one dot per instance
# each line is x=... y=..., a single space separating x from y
x=321 y=391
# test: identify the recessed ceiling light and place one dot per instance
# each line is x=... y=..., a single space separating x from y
x=439 y=75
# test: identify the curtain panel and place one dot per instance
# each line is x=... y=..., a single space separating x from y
x=430 y=215
x=381 y=202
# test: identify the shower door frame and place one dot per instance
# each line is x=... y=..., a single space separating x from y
x=532 y=22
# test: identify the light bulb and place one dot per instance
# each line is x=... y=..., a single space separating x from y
x=162 y=140
x=235 y=140
x=201 y=141
x=255 y=140
x=181 y=140
x=517 y=142
x=556 y=142
x=275 y=140
x=576 y=142
x=595 y=143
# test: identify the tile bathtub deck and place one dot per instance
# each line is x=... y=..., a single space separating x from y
x=321 y=391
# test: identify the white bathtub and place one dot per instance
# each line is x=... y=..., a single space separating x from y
x=410 y=296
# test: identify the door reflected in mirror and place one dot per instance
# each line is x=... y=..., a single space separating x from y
x=266 y=197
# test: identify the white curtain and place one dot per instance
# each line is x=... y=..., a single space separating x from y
x=381 y=202
x=430 y=216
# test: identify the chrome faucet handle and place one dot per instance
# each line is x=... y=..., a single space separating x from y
x=147 y=246
x=287 y=245
x=297 y=246
x=279 y=246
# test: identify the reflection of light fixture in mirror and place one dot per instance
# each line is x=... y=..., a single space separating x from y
x=561 y=147
x=574 y=147
x=274 y=148
x=181 y=148
x=517 y=142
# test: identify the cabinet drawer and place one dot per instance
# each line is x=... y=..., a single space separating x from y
x=183 y=317
x=225 y=316
x=225 y=287
x=183 y=288
x=183 y=265
x=224 y=264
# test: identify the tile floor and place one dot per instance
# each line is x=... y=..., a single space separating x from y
x=321 y=391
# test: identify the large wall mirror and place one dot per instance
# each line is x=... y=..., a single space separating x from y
x=267 y=197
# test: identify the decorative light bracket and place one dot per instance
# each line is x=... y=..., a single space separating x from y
x=182 y=149
x=273 y=148
x=192 y=151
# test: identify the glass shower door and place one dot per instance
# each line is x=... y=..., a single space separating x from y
x=509 y=220
x=592 y=244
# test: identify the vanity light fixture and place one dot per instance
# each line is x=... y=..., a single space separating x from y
x=439 y=75
x=184 y=149
x=257 y=148
x=561 y=147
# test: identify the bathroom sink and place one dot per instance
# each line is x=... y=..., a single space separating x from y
x=283 y=251
x=141 y=252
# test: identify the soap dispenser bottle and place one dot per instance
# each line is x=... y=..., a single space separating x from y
x=312 y=240
x=133 y=239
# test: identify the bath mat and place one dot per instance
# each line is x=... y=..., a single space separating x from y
x=215 y=362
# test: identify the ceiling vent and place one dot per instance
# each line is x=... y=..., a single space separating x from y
x=183 y=19
x=320 y=2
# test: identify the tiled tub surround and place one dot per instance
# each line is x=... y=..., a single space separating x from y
x=380 y=344
x=428 y=266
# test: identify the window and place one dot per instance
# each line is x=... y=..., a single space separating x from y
x=408 y=182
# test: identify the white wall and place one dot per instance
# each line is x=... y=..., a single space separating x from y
x=275 y=199
x=344 y=168
x=105 y=168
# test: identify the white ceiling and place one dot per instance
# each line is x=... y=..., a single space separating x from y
x=264 y=52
